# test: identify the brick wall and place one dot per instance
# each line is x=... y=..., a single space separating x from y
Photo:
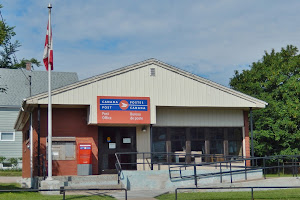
x=25 y=154
x=247 y=140
x=67 y=122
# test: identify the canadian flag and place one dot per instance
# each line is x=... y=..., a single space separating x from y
x=48 y=49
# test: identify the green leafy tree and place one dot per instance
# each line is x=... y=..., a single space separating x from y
x=9 y=48
x=276 y=80
x=3 y=30
x=2 y=159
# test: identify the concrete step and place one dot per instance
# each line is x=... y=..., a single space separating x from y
x=98 y=178
x=89 y=183
x=87 y=186
x=110 y=180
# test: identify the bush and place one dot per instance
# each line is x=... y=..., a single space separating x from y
x=2 y=159
x=14 y=162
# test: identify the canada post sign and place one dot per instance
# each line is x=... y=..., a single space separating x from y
x=123 y=110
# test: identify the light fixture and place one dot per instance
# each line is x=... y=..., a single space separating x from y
x=144 y=129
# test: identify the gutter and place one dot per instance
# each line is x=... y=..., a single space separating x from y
x=9 y=106
x=20 y=115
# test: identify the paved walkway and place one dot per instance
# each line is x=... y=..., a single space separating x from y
x=10 y=179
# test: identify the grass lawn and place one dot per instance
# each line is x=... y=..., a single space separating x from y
x=38 y=196
x=290 y=194
x=10 y=172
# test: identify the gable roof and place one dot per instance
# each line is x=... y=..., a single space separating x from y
x=17 y=82
x=34 y=99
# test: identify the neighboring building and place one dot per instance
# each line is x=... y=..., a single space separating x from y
x=18 y=87
x=145 y=107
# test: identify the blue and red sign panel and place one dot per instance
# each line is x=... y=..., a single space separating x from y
x=123 y=110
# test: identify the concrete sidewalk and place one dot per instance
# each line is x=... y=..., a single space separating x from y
x=10 y=179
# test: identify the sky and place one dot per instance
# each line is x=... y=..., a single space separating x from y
x=207 y=38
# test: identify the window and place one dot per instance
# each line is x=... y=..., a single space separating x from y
x=178 y=139
x=7 y=136
x=7 y=165
x=235 y=138
x=198 y=139
x=63 y=148
x=159 y=139
x=216 y=140
x=205 y=140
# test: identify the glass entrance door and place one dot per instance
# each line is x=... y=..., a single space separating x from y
x=116 y=140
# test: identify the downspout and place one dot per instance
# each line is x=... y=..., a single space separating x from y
x=151 y=146
x=251 y=129
x=31 y=151
x=39 y=138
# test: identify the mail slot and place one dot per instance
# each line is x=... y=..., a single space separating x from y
x=84 y=166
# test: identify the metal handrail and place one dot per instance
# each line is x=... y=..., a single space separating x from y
x=43 y=166
x=227 y=159
x=243 y=169
x=119 y=171
x=63 y=190
x=258 y=163
x=229 y=188
x=118 y=168
x=170 y=155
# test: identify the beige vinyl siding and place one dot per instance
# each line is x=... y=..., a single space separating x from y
x=143 y=139
x=183 y=117
x=142 y=146
x=166 y=88
x=10 y=149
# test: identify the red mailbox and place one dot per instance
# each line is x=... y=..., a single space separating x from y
x=85 y=153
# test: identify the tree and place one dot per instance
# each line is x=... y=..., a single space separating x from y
x=8 y=49
x=276 y=80
x=2 y=159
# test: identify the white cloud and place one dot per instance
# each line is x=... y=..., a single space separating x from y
x=210 y=38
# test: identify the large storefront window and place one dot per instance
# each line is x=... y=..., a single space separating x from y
x=198 y=140
x=178 y=139
x=234 y=141
x=216 y=140
x=159 y=139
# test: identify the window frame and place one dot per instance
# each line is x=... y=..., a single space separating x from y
x=59 y=146
x=14 y=136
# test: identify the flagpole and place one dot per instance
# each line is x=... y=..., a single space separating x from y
x=49 y=100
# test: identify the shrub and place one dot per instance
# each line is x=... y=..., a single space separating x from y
x=2 y=159
x=14 y=162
